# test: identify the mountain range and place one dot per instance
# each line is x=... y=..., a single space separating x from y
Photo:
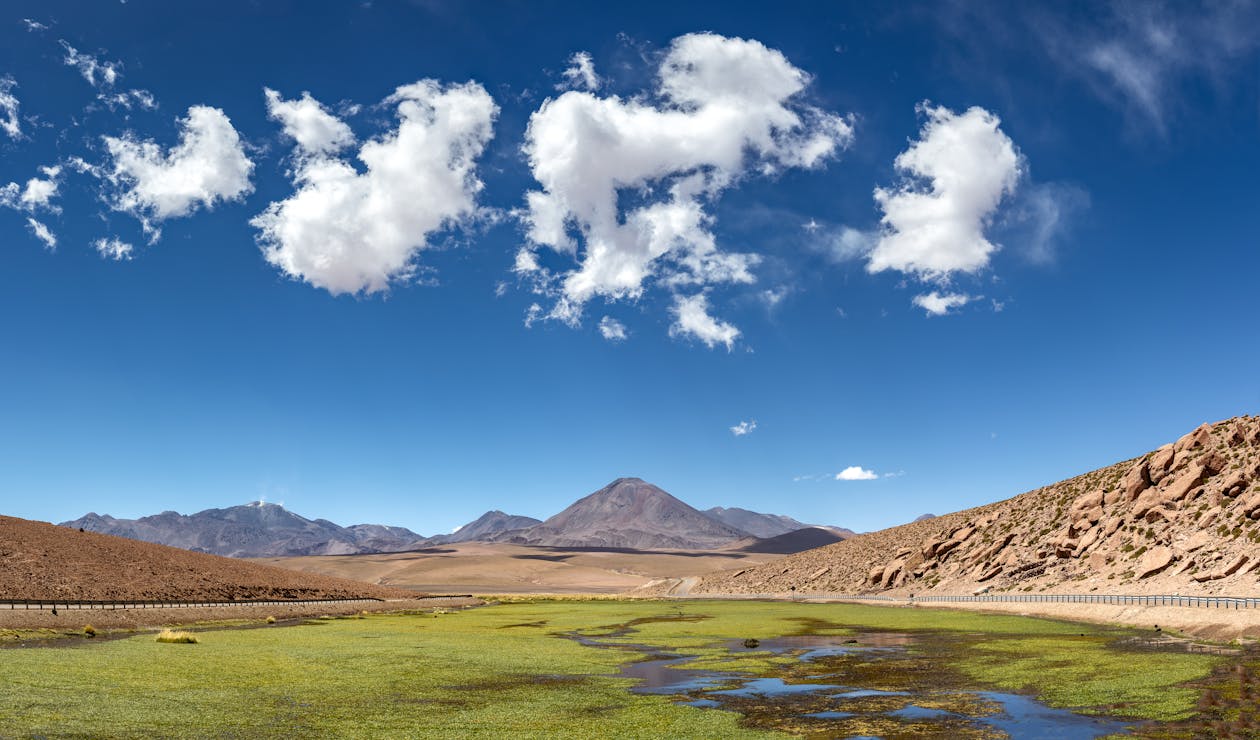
x=627 y=513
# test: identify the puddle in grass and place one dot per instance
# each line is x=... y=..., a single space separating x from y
x=815 y=701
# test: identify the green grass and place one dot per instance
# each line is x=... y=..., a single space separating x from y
x=507 y=671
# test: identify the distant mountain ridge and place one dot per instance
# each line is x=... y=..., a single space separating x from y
x=487 y=525
x=628 y=513
x=253 y=530
x=755 y=523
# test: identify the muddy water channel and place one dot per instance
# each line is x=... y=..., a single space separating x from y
x=855 y=685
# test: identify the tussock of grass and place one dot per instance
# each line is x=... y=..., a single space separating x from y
x=89 y=630
x=177 y=636
x=271 y=620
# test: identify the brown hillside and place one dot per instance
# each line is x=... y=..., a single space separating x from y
x=41 y=561
x=1181 y=519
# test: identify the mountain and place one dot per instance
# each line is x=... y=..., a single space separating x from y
x=1184 y=518
x=755 y=523
x=806 y=538
x=252 y=530
x=924 y=517
x=42 y=561
x=485 y=527
x=630 y=513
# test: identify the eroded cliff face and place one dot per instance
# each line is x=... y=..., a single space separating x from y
x=1182 y=519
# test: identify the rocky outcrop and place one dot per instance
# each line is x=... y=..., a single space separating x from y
x=1183 y=518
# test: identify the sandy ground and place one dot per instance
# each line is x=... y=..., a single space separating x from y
x=477 y=567
x=75 y=619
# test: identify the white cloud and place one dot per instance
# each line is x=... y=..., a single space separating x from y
x=1138 y=55
x=9 y=121
x=856 y=472
x=960 y=169
x=309 y=123
x=938 y=304
x=113 y=248
x=744 y=427
x=723 y=108
x=96 y=72
x=129 y=99
x=1040 y=217
x=348 y=231
x=580 y=74
x=42 y=232
x=36 y=195
x=33 y=25
x=207 y=166
x=692 y=319
x=612 y=329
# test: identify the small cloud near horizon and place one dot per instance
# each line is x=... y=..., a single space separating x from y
x=856 y=472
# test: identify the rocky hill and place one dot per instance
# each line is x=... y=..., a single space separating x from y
x=1182 y=519
x=629 y=513
x=42 y=561
x=253 y=530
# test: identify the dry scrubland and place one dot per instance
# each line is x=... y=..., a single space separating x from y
x=1182 y=519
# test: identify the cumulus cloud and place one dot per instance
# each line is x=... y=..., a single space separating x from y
x=744 y=427
x=580 y=74
x=626 y=182
x=958 y=172
x=856 y=472
x=612 y=329
x=113 y=248
x=308 y=123
x=348 y=231
x=42 y=233
x=97 y=73
x=36 y=195
x=9 y=122
x=937 y=304
x=208 y=166
x=692 y=319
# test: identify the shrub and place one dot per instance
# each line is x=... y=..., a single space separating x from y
x=89 y=630
x=271 y=620
x=174 y=636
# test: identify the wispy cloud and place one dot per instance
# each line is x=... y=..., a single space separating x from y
x=744 y=427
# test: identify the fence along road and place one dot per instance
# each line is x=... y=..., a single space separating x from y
x=83 y=604
x=1201 y=602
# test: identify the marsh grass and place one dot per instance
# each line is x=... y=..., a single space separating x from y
x=177 y=636
x=513 y=670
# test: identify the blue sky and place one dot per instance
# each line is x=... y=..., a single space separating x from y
x=504 y=253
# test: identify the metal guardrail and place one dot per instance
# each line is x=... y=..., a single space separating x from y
x=1202 y=602
x=87 y=604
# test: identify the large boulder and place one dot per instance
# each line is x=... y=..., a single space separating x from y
x=1154 y=561
x=1135 y=481
x=1160 y=463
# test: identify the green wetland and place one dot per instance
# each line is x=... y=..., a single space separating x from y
x=583 y=669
